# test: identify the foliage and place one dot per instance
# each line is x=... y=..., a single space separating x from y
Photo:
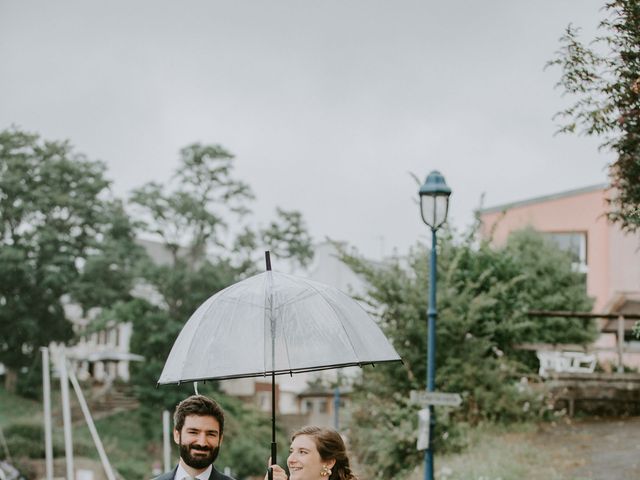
x=64 y=240
x=29 y=382
x=124 y=442
x=54 y=218
x=25 y=439
x=483 y=297
x=247 y=439
x=109 y=273
x=605 y=78
x=194 y=212
x=288 y=238
x=192 y=216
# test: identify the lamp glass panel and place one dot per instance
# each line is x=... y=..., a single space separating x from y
x=441 y=210
x=427 y=209
x=434 y=209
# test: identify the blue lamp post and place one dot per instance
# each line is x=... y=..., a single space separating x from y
x=434 y=206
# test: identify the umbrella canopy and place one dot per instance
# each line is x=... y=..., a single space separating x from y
x=274 y=323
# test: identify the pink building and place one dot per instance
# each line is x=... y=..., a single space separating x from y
x=576 y=221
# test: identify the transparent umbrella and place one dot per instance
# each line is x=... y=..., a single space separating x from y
x=272 y=324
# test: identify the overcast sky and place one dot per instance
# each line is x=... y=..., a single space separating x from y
x=327 y=105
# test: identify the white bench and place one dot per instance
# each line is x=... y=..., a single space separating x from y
x=573 y=362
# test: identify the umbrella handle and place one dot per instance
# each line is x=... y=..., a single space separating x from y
x=274 y=448
x=270 y=474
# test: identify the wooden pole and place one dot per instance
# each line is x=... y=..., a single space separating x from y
x=66 y=413
x=620 y=343
x=92 y=428
x=166 y=428
x=46 y=400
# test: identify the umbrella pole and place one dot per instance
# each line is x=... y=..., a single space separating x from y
x=274 y=445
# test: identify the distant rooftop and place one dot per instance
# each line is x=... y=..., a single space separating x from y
x=545 y=198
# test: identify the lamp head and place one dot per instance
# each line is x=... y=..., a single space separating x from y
x=434 y=200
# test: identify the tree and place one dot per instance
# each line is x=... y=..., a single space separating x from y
x=288 y=238
x=605 y=78
x=483 y=296
x=196 y=217
x=190 y=215
x=197 y=211
x=111 y=268
x=53 y=215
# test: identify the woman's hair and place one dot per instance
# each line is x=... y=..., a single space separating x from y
x=330 y=447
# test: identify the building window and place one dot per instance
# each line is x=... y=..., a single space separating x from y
x=307 y=406
x=263 y=399
x=575 y=244
x=323 y=406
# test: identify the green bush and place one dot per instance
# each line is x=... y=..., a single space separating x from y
x=484 y=294
x=29 y=383
x=26 y=439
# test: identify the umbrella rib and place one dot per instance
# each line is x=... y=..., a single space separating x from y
x=300 y=296
x=238 y=300
x=286 y=347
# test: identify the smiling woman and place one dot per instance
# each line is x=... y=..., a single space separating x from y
x=316 y=454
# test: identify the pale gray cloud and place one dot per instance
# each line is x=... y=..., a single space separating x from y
x=327 y=104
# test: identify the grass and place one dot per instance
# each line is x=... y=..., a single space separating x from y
x=14 y=409
x=128 y=450
x=500 y=453
x=503 y=453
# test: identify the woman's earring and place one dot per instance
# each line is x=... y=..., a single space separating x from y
x=325 y=471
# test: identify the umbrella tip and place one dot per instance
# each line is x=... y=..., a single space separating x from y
x=267 y=259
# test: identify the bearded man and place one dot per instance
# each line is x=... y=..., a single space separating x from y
x=198 y=428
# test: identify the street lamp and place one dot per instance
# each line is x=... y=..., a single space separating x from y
x=434 y=206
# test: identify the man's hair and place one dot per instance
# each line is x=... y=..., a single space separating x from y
x=197 y=405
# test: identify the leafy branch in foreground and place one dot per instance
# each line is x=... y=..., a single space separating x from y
x=604 y=77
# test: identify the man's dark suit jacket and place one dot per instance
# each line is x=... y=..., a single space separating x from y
x=215 y=475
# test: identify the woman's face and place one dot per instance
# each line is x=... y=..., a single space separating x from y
x=304 y=461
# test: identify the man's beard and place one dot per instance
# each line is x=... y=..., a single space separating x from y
x=198 y=461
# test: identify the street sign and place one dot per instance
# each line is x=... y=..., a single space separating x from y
x=424 y=425
x=424 y=398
